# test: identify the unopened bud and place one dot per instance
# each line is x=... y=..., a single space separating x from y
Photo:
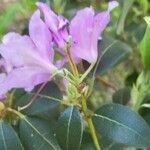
x=68 y=43
x=69 y=40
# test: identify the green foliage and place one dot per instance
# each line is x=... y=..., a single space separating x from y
x=37 y=134
x=24 y=7
x=70 y=127
x=9 y=139
x=140 y=90
x=48 y=111
x=122 y=96
x=145 y=46
x=127 y=4
x=50 y=100
x=113 y=52
x=7 y=18
x=122 y=125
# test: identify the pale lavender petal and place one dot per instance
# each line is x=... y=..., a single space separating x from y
x=5 y=66
x=86 y=29
x=10 y=37
x=41 y=36
x=57 y=25
x=50 y=17
x=23 y=52
x=2 y=77
x=81 y=29
x=24 y=77
x=19 y=51
x=102 y=19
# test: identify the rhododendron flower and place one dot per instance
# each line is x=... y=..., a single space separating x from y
x=86 y=28
x=26 y=60
x=56 y=24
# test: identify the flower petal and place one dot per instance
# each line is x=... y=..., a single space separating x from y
x=10 y=37
x=24 y=77
x=57 y=25
x=19 y=51
x=85 y=29
x=23 y=52
x=5 y=66
x=102 y=19
x=41 y=36
x=81 y=29
x=50 y=17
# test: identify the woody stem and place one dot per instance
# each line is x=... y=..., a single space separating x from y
x=83 y=99
x=90 y=123
x=72 y=63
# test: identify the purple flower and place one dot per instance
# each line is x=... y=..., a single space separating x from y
x=26 y=60
x=57 y=25
x=86 y=28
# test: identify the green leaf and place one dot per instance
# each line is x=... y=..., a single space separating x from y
x=8 y=138
x=44 y=106
x=87 y=142
x=121 y=125
x=122 y=96
x=109 y=145
x=70 y=129
x=147 y=119
x=51 y=89
x=144 y=6
x=37 y=134
x=125 y=9
x=113 y=52
x=145 y=46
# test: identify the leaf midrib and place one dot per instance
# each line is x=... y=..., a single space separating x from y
x=40 y=133
x=68 y=127
x=3 y=137
x=125 y=126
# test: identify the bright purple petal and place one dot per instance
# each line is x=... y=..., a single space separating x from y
x=41 y=36
x=62 y=22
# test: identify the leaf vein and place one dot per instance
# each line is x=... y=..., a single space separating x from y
x=69 y=121
x=120 y=124
x=40 y=134
x=3 y=137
